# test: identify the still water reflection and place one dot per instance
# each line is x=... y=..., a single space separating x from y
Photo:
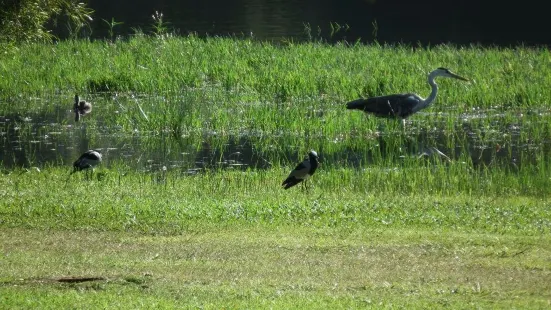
x=427 y=22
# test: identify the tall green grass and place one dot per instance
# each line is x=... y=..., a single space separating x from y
x=428 y=197
x=267 y=72
x=209 y=114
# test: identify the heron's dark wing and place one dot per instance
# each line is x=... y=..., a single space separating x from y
x=391 y=106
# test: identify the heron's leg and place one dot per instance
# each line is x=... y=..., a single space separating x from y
x=391 y=109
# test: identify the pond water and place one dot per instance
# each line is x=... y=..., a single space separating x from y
x=27 y=142
x=482 y=137
x=413 y=22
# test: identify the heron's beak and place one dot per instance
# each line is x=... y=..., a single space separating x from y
x=459 y=77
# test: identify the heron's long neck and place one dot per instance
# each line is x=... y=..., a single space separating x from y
x=431 y=97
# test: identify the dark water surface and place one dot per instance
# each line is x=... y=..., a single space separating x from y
x=392 y=21
x=481 y=138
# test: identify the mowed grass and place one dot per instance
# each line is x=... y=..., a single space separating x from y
x=281 y=267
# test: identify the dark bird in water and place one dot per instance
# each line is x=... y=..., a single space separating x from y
x=303 y=171
x=88 y=160
x=401 y=106
x=81 y=108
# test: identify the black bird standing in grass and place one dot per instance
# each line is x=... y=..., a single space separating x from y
x=303 y=171
x=401 y=106
x=81 y=108
x=88 y=160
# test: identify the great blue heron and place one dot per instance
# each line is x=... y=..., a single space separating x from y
x=303 y=171
x=88 y=160
x=401 y=106
x=81 y=108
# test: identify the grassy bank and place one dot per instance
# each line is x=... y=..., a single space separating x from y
x=418 y=197
x=236 y=239
x=257 y=71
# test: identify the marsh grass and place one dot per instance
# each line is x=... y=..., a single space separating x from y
x=242 y=80
x=288 y=98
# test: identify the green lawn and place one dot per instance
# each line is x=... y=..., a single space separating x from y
x=259 y=266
